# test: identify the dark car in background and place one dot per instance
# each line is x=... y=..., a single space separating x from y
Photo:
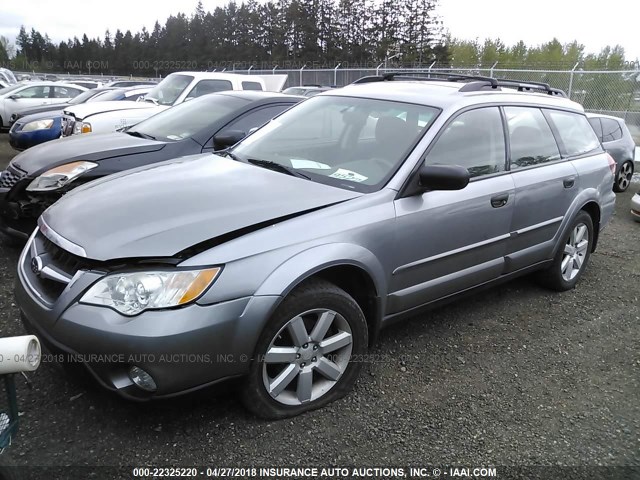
x=130 y=83
x=307 y=90
x=38 y=177
x=617 y=141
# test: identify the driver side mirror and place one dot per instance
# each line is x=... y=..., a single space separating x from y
x=13 y=97
x=227 y=139
x=443 y=177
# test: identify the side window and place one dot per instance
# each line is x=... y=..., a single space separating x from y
x=209 y=86
x=251 y=86
x=474 y=140
x=611 y=130
x=597 y=126
x=576 y=134
x=530 y=137
x=65 y=92
x=33 y=92
x=255 y=118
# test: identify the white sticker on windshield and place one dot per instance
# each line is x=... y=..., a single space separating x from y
x=303 y=163
x=343 y=174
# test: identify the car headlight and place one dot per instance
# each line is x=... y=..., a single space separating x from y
x=38 y=125
x=60 y=176
x=132 y=293
x=81 y=127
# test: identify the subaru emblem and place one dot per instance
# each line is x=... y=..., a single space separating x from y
x=36 y=265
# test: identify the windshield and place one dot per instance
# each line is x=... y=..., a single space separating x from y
x=351 y=143
x=83 y=97
x=294 y=91
x=184 y=120
x=169 y=89
x=11 y=88
x=116 y=94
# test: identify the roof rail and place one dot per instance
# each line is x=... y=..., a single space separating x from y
x=478 y=82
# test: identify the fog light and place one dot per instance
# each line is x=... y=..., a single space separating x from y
x=142 y=379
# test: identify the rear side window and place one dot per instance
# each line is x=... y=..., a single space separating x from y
x=251 y=86
x=597 y=126
x=576 y=135
x=530 y=137
x=474 y=140
x=611 y=130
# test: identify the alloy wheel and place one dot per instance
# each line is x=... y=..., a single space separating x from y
x=307 y=357
x=624 y=176
x=575 y=252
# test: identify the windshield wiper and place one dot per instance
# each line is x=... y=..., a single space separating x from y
x=278 y=168
x=133 y=133
x=152 y=100
x=229 y=154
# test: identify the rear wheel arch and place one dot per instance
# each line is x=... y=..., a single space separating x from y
x=593 y=209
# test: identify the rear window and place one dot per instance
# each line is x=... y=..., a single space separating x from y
x=611 y=130
x=576 y=135
x=597 y=127
x=251 y=86
x=203 y=87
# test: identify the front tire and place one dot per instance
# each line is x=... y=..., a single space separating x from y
x=623 y=177
x=572 y=257
x=305 y=356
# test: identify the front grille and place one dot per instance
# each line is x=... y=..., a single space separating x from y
x=10 y=177
x=61 y=259
x=57 y=268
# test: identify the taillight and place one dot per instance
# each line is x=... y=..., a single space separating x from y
x=612 y=164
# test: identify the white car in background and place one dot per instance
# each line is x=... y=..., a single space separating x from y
x=7 y=77
x=27 y=95
x=176 y=88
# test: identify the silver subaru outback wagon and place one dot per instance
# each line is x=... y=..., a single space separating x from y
x=280 y=260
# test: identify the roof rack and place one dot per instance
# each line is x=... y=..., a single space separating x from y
x=478 y=82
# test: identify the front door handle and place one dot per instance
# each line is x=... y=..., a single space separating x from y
x=500 y=200
x=569 y=182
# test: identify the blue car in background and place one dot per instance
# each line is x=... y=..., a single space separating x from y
x=37 y=128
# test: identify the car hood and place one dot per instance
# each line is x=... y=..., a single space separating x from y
x=92 y=147
x=39 y=116
x=58 y=107
x=85 y=110
x=162 y=209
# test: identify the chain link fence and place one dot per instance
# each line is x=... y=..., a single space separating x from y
x=611 y=92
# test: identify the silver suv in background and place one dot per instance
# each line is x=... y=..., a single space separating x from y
x=618 y=142
x=281 y=260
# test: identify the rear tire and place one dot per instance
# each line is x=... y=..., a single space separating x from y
x=572 y=257
x=623 y=177
x=308 y=354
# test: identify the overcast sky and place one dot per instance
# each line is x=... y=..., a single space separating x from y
x=594 y=24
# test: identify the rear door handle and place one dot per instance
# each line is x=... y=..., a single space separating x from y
x=500 y=200
x=569 y=182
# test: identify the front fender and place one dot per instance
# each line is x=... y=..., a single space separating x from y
x=309 y=262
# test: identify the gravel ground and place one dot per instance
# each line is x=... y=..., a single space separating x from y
x=513 y=376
